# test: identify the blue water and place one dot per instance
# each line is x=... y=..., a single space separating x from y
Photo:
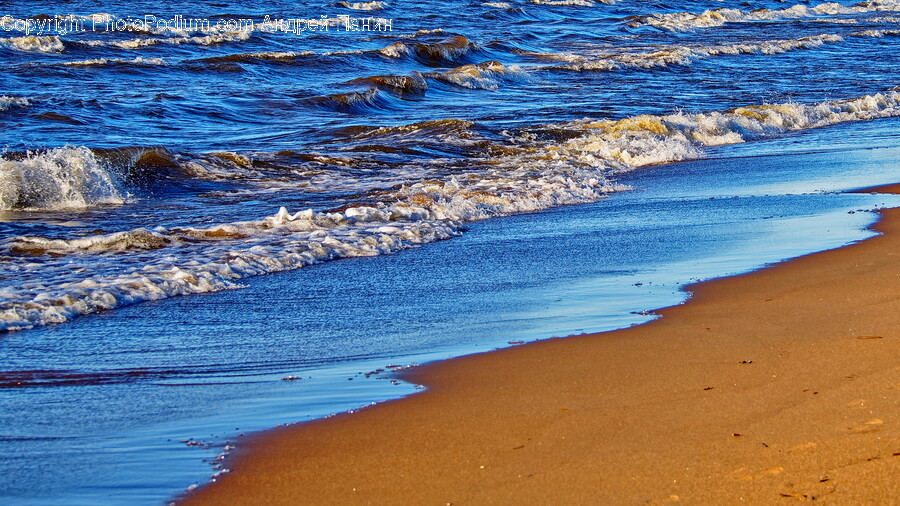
x=155 y=298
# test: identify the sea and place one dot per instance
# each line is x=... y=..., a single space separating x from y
x=218 y=217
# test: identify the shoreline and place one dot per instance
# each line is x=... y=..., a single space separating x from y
x=777 y=384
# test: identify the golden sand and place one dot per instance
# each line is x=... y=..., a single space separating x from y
x=773 y=387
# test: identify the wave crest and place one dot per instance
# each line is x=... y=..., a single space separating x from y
x=687 y=21
x=539 y=168
x=60 y=178
x=7 y=102
x=34 y=43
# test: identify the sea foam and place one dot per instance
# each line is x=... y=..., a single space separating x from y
x=687 y=21
x=61 y=178
x=7 y=102
x=538 y=168
x=34 y=43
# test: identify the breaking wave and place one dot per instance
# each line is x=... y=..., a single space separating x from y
x=685 y=55
x=687 y=21
x=363 y=6
x=578 y=3
x=34 y=43
x=414 y=83
x=450 y=49
x=61 y=178
x=370 y=100
x=486 y=75
x=537 y=168
x=7 y=102
x=203 y=40
x=262 y=57
x=97 y=62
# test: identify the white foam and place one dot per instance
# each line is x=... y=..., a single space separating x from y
x=279 y=243
x=684 y=55
x=578 y=3
x=34 y=43
x=364 y=6
x=278 y=55
x=138 y=239
x=679 y=136
x=687 y=21
x=205 y=40
x=875 y=33
x=107 y=61
x=526 y=174
x=394 y=50
x=482 y=76
x=61 y=178
x=7 y=101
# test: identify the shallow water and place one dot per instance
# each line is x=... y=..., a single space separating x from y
x=144 y=173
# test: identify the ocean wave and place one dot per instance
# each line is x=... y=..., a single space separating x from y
x=34 y=43
x=442 y=128
x=687 y=21
x=265 y=56
x=363 y=6
x=139 y=239
x=370 y=100
x=143 y=166
x=877 y=34
x=6 y=102
x=678 y=136
x=535 y=168
x=486 y=75
x=450 y=49
x=833 y=21
x=97 y=62
x=577 y=3
x=219 y=166
x=414 y=83
x=204 y=40
x=60 y=178
x=277 y=243
x=685 y=55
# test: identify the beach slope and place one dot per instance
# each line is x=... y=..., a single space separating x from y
x=774 y=386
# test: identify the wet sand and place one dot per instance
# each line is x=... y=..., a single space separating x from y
x=774 y=386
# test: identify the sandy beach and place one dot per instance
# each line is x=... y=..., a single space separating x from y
x=778 y=385
x=292 y=252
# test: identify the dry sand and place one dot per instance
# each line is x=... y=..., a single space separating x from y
x=775 y=386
